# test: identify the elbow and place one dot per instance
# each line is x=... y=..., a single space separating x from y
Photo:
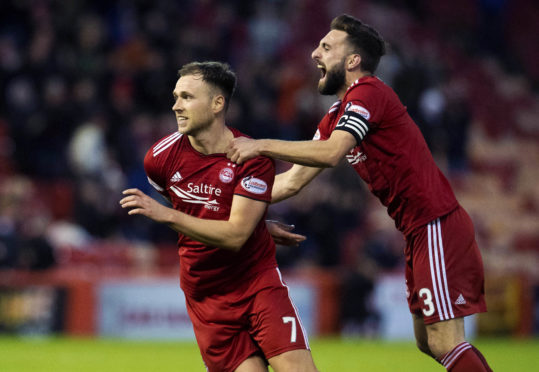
x=331 y=158
x=330 y=161
x=233 y=247
x=333 y=161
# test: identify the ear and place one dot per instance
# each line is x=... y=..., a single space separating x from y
x=353 y=61
x=218 y=103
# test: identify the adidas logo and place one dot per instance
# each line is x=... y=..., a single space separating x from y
x=460 y=300
x=176 y=177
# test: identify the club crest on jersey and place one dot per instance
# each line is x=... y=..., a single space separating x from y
x=254 y=185
x=358 y=109
x=226 y=175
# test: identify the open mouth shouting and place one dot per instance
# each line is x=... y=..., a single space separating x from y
x=322 y=69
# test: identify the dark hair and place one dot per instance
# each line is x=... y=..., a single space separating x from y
x=218 y=74
x=364 y=39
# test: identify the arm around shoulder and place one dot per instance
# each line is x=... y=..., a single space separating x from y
x=312 y=153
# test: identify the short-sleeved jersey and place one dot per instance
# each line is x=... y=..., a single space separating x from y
x=203 y=186
x=391 y=155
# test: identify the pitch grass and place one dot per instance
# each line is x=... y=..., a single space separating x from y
x=81 y=355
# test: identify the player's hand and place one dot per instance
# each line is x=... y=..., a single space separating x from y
x=140 y=203
x=282 y=235
x=242 y=149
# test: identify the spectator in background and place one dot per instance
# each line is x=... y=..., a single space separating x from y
x=23 y=223
x=456 y=120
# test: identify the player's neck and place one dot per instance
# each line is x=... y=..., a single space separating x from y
x=351 y=78
x=214 y=140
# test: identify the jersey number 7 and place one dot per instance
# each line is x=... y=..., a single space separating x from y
x=291 y=319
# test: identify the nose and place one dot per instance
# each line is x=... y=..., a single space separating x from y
x=315 y=55
x=177 y=106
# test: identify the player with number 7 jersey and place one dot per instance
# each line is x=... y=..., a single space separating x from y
x=234 y=290
x=240 y=308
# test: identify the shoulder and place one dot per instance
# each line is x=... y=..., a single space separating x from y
x=156 y=156
x=164 y=144
x=261 y=162
x=367 y=96
x=258 y=161
x=366 y=87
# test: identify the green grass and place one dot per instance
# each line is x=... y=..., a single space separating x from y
x=80 y=355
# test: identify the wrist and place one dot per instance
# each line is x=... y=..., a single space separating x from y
x=169 y=217
x=262 y=147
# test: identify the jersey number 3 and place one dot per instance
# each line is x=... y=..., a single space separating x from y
x=426 y=296
x=291 y=319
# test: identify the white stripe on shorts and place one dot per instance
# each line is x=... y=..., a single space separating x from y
x=295 y=310
x=437 y=271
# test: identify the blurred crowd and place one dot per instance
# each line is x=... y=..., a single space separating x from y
x=86 y=90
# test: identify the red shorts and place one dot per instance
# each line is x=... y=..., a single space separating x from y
x=256 y=318
x=444 y=270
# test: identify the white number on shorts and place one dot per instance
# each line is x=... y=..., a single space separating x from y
x=426 y=296
x=291 y=319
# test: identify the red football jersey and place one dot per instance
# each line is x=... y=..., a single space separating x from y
x=203 y=186
x=392 y=156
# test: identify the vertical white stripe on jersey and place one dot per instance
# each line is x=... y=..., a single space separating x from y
x=295 y=310
x=438 y=269
x=445 y=288
x=432 y=272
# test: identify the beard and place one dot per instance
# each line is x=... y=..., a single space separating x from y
x=335 y=79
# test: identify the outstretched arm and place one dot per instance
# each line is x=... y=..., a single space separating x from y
x=323 y=154
x=245 y=214
x=292 y=181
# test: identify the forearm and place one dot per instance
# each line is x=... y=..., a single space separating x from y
x=309 y=153
x=231 y=234
x=282 y=190
x=291 y=182
x=223 y=234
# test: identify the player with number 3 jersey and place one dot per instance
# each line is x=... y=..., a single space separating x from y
x=371 y=128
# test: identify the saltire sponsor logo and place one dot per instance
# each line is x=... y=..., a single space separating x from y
x=254 y=185
x=189 y=197
x=437 y=271
x=165 y=143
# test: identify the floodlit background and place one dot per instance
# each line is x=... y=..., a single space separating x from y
x=86 y=90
